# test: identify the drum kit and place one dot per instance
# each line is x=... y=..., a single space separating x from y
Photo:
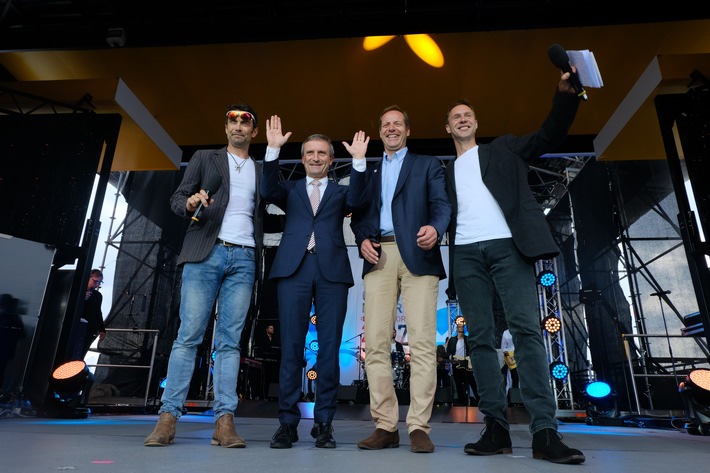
x=400 y=370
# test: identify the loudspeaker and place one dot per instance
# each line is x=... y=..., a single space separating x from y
x=347 y=393
x=514 y=397
x=443 y=396
x=273 y=391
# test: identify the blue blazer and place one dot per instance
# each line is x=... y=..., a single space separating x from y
x=336 y=202
x=419 y=199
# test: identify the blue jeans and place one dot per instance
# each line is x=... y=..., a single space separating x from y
x=481 y=269
x=227 y=274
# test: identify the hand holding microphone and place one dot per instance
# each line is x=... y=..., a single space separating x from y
x=211 y=185
x=559 y=57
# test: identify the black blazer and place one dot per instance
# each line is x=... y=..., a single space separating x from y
x=504 y=169
x=200 y=238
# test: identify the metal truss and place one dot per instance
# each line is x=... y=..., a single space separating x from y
x=550 y=303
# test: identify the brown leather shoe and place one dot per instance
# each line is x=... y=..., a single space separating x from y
x=420 y=442
x=164 y=432
x=225 y=435
x=380 y=439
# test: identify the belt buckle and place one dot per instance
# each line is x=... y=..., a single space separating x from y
x=225 y=243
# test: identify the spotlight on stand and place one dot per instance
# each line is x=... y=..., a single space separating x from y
x=312 y=374
x=559 y=370
x=695 y=392
x=602 y=408
x=546 y=278
x=69 y=390
x=459 y=320
x=551 y=324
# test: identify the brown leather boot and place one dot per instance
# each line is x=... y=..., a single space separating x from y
x=164 y=432
x=225 y=434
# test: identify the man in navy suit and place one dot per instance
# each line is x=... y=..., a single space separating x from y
x=312 y=267
x=497 y=232
x=398 y=234
x=220 y=259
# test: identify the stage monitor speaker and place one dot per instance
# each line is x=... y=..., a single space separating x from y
x=347 y=393
x=443 y=396
x=273 y=391
x=514 y=398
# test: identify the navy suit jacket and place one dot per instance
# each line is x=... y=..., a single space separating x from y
x=419 y=199
x=200 y=238
x=504 y=170
x=336 y=202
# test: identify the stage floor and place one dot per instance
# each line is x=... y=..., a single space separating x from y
x=114 y=443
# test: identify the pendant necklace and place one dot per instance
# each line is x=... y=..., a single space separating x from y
x=237 y=167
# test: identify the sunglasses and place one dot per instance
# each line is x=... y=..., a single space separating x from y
x=232 y=115
x=98 y=282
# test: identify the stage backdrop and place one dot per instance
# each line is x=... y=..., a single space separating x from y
x=353 y=338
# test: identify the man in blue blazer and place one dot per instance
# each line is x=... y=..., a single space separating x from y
x=398 y=234
x=497 y=233
x=312 y=267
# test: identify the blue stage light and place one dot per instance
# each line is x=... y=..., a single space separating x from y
x=598 y=389
x=546 y=278
x=559 y=370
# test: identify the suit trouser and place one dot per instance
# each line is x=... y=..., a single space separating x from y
x=383 y=285
x=296 y=294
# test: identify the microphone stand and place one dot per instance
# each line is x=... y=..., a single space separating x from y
x=359 y=353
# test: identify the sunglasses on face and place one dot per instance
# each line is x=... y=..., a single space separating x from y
x=98 y=282
x=246 y=117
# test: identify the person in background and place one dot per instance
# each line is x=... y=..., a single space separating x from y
x=457 y=351
x=91 y=322
x=509 y=365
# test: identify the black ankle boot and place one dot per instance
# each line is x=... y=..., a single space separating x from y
x=547 y=445
x=494 y=439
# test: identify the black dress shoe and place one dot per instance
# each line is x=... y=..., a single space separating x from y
x=323 y=433
x=284 y=437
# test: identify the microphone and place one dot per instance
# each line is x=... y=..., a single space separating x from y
x=559 y=57
x=211 y=185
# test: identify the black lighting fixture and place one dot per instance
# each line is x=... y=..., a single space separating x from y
x=695 y=392
x=551 y=324
x=559 y=370
x=459 y=320
x=546 y=278
x=313 y=319
x=313 y=346
x=69 y=389
x=601 y=405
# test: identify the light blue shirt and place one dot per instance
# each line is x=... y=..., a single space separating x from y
x=390 y=175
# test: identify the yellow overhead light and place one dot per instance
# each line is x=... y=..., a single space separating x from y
x=426 y=48
x=374 y=42
x=422 y=44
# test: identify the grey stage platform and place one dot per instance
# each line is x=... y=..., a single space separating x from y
x=114 y=443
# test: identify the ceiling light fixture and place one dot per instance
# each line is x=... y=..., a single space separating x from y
x=422 y=44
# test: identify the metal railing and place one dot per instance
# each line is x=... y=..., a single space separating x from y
x=633 y=375
x=148 y=367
